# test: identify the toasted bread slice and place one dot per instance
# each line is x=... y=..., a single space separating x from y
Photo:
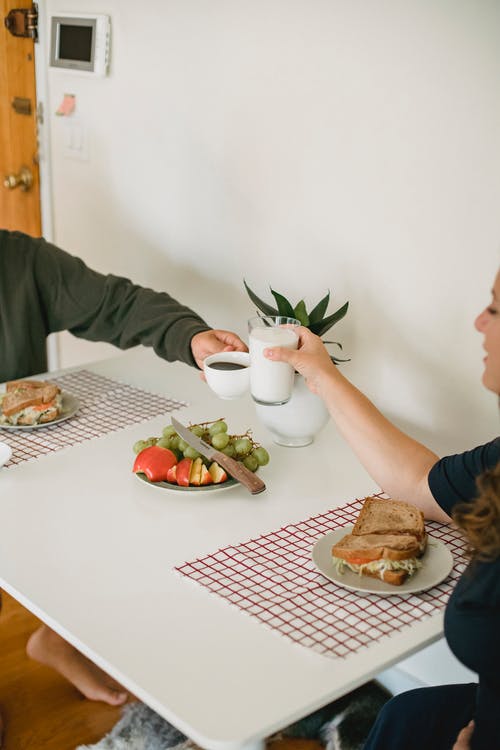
x=22 y=394
x=13 y=385
x=379 y=516
x=394 y=577
x=15 y=401
x=370 y=547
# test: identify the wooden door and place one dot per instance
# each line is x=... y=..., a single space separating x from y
x=19 y=209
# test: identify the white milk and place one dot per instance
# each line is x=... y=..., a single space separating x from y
x=270 y=382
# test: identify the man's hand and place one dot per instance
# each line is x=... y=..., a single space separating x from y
x=210 y=342
x=464 y=737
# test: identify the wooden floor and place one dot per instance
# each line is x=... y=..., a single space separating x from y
x=40 y=709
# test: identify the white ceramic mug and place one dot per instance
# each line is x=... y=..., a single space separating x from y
x=271 y=382
x=228 y=373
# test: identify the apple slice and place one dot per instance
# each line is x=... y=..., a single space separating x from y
x=205 y=476
x=183 y=471
x=195 y=473
x=217 y=473
x=171 y=475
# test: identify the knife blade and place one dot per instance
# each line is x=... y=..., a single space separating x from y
x=237 y=470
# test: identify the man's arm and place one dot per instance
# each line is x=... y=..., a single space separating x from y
x=112 y=309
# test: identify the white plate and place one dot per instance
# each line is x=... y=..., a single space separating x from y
x=192 y=488
x=5 y=453
x=70 y=405
x=437 y=563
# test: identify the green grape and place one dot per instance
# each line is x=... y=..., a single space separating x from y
x=169 y=431
x=217 y=427
x=174 y=443
x=139 y=446
x=220 y=440
x=229 y=450
x=197 y=429
x=251 y=462
x=182 y=445
x=242 y=446
x=261 y=455
x=191 y=452
x=151 y=441
x=164 y=442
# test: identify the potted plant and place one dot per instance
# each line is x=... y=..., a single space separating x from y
x=296 y=423
x=315 y=320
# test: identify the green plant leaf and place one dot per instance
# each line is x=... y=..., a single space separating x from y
x=263 y=306
x=320 y=328
x=300 y=313
x=316 y=315
x=284 y=306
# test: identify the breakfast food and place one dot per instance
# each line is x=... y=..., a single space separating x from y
x=378 y=516
x=190 y=468
x=386 y=542
x=30 y=402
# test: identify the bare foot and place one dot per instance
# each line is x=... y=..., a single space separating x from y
x=47 y=647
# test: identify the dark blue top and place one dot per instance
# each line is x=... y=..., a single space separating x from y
x=472 y=617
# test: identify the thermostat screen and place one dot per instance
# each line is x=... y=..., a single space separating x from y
x=80 y=43
x=75 y=42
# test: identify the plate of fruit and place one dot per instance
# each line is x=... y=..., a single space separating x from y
x=168 y=462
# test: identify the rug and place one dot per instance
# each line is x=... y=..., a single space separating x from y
x=140 y=728
x=341 y=725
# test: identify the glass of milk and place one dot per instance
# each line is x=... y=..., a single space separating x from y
x=271 y=382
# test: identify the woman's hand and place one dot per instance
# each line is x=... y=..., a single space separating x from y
x=464 y=737
x=311 y=359
x=213 y=341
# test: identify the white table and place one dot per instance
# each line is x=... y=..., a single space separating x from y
x=90 y=550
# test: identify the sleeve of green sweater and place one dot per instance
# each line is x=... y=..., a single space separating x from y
x=110 y=308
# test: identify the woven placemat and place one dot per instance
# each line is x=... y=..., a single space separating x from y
x=273 y=579
x=106 y=405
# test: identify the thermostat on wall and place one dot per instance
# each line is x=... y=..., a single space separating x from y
x=80 y=42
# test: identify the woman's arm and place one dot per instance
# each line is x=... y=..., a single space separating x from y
x=399 y=464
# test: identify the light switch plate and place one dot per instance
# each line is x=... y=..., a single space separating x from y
x=76 y=140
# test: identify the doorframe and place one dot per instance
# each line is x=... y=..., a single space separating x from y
x=44 y=150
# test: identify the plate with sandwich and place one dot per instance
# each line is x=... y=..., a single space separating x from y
x=30 y=404
x=386 y=552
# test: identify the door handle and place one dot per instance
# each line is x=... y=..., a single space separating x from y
x=23 y=180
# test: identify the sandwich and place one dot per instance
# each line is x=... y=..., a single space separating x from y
x=30 y=402
x=386 y=542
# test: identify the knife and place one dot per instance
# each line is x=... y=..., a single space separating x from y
x=237 y=470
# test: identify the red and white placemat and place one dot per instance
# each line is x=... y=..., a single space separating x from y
x=106 y=405
x=274 y=579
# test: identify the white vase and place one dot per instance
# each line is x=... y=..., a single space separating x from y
x=295 y=423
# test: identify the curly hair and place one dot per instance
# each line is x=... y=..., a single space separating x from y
x=480 y=520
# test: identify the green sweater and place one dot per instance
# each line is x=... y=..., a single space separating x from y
x=44 y=289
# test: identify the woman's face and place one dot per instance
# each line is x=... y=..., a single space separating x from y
x=488 y=323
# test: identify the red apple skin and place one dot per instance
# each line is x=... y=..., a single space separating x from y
x=205 y=476
x=155 y=462
x=183 y=471
x=217 y=473
x=171 y=475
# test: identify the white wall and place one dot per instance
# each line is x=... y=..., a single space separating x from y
x=310 y=145
x=342 y=145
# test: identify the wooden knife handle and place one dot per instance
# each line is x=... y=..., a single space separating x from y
x=240 y=472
